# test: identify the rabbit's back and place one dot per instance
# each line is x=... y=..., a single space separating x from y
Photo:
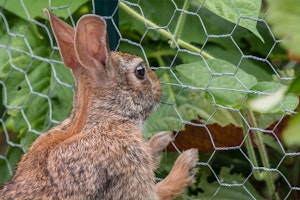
x=30 y=177
x=106 y=165
x=94 y=165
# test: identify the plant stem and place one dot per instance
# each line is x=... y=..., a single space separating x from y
x=267 y=176
x=160 y=61
x=180 y=23
x=163 y=32
x=251 y=152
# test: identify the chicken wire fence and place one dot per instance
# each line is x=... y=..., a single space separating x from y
x=212 y=58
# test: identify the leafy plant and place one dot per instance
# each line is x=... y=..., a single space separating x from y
x=288 y=12
x=200 y=92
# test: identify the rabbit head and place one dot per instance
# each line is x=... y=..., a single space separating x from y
x=110 y=84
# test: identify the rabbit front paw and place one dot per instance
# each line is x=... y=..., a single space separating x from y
x=160 y=141
x=186 y=164
x=181 y=175
x=157 y=144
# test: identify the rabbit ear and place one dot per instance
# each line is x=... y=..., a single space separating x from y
x=64 y=35
x=91 y=42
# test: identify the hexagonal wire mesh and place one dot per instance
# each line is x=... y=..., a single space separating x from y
x=205 y=97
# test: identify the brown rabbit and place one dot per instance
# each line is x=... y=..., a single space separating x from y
x=99 y=151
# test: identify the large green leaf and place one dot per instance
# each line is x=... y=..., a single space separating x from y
x=224 y=82
x=30 y=85
x=184 y=105
x=32 y=8
x=211 y=187
x=192 y=32
x=195 y=30
x=276 y=102
x=236 y=11
x=230 y=88
x=284 y=18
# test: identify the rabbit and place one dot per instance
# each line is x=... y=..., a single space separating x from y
x=99 y=151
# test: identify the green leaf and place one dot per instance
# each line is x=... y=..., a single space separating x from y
x=213 y=188
x=192 y=32
x=184 y=105
x=273 y=143
x=284 y=18
x=227 y=84
x=163 y=119
x=30 y=83
x=295 y=86
x=291 y=135
x=276 y=102
x=13 y=154
x=234 y=11
x=33 y=8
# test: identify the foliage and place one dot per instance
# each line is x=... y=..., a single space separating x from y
x=30 y=9
x=288 y=12
x=284 y=16
x=209 y=82
x=229 y=82
x=237 y=11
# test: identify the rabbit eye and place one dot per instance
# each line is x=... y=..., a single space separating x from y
x=140 y=71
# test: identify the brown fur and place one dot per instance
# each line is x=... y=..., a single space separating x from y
x=99 y=152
